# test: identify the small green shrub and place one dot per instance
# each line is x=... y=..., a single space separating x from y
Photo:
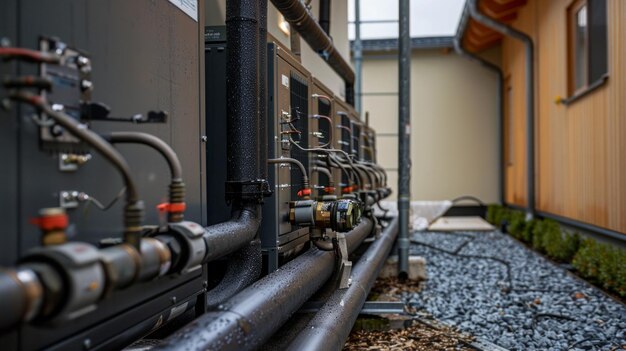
x=493 y=214
x=569 y=247
x=538 y=232
x=517 y=224
x=587 y=260
x=529 y=229
x=552 y=241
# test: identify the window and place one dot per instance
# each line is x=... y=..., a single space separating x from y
x=588 y=64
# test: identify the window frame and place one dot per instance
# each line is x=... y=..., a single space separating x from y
x=589 y=86
x=572 y=18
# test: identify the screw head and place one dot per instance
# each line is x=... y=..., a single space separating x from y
x=204 y=138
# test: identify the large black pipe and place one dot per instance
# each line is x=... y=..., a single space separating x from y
x=530 y=95
x=249 y=318
x=404 y=137
x=243 y=269
x=458 y=46
x=242 y=93
x=263 y=88
x=330 y=327
x=296 y=13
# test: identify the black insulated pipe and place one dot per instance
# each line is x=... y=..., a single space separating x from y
x=296 y=13
x=242 y=99
x=263 y=146
x=404 y=138
x=460 y=50
x=332 y=324
x=530 y=97
x=325 y=6
x=244 y=268
x=251 y=317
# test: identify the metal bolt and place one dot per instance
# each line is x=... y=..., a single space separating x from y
x=87 y=344
x=173 y=299
x=205 y=284
x=204 y=138
x=4 y=42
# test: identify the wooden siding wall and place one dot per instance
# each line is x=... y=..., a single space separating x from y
x=580 y=147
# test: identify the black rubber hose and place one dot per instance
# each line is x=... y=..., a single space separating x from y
x=150 y=140
x=305 y=177
x=177 y=186
x=133 y=211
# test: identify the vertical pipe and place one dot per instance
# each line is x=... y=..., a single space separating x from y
x=324 y=20
x=263 y=88
x=242 y=30
x=404 y=137
x=358 y=58
x=530 y=97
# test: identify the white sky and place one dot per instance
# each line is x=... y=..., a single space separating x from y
x=429 y=18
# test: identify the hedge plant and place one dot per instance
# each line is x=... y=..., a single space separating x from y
x=599 y=263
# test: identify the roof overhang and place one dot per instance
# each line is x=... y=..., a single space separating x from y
x=476 y=37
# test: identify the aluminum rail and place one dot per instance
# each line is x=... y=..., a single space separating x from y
x=530 y=95
x=330 y=327
x=250 y=318
x=299 y=18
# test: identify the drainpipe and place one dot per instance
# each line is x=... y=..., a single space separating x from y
x=404 y=138
x=298 y=16
x=530 y=98
x=251 y=317
x=458 y=46
x=358 y=58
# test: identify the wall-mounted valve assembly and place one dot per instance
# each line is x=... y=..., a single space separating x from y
x=338 y=215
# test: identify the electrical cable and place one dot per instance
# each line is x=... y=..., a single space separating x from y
x=9 y=53
x=92 y=200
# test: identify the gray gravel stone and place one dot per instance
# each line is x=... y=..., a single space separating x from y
x=535 y=310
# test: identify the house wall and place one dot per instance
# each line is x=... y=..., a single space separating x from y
x=580 y=147
x=454 y=123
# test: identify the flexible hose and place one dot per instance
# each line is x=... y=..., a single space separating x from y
x=133 y=211
x=305 y=177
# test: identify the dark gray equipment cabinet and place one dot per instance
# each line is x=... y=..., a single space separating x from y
x=288 y=96
x=147 y=55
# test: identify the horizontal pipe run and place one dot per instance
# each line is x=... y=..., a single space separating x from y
x=248 y=319
x=225 y=238
x=331 y=325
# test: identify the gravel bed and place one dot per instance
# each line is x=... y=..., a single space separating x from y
x=513 y=297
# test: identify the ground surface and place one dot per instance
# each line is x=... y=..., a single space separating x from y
x=495 y=288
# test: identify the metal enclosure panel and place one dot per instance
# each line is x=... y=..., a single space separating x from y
x=318 y=108
x=278 y=236
x=146 y=56
x=343 y=140
x=215 y=73
x=9 y=170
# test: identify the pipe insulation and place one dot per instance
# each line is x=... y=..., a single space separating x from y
x=330 y=327
x=299 y=18
x=250 y=318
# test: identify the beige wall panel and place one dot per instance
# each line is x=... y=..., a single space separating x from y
x=454 y=124
x=387 y=148
x=383 y=110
